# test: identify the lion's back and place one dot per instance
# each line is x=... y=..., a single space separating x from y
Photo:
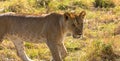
x=28 y=27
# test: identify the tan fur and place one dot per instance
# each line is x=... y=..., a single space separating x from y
x=50 y=29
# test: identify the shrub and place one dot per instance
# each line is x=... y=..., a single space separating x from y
x=81 y=4
x=4 y=0
x=63 y=7
x=98 y=51
x=42 y=3
x=104 y=3
x=18 y=6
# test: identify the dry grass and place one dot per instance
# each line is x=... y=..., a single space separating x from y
x=97 y=44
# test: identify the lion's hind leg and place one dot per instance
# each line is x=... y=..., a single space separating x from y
x=1 y=39
x=20 y=48
x=2 y=35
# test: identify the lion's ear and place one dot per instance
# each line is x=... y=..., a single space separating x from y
x=82 y=14
x=66 y=15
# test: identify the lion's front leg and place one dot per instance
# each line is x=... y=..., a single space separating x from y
x=20 y=48
x=62 y=49
x=54 y=51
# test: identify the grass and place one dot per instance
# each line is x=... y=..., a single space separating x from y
x=97 y=44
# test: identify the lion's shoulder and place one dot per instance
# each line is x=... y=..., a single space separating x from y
x=54 y=15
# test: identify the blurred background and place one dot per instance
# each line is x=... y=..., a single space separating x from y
x=98 y=43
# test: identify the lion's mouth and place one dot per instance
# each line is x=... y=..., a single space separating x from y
x=76 y=36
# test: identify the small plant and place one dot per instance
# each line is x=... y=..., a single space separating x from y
x=98 y=51
x=117 y=30
x=42 y=3
x=29 y=45
x=107 y=53
x=80 y=4
x=18 y=6
x=4 y=0
x=63 y=7
x=104 y=3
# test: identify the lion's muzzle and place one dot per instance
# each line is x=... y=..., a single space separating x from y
x=77 y=36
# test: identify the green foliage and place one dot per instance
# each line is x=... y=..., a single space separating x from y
x=104 y=3
x=42 y=3
x=116 y=10
x=29 y=45
x=80 y=4
x=18 y=6
x=96 y=31
x=4 y=0
x=98 y=51
x=63 y=7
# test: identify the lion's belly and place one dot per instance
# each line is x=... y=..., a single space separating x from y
x=27 y=37
x=34 y=39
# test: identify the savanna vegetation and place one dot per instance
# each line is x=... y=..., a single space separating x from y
x=98 y=42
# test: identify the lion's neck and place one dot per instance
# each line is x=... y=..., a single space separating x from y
x=63 y=27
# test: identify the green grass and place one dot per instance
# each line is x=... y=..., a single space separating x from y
x=97 y=44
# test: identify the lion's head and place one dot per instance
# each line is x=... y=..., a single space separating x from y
x=75 y=23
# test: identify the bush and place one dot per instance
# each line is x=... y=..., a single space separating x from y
x=81 y=4
x=18 y=6
x=104 y=3
x=4 y=0
x=98 y=51
x=63 y=7
x=42 y=3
